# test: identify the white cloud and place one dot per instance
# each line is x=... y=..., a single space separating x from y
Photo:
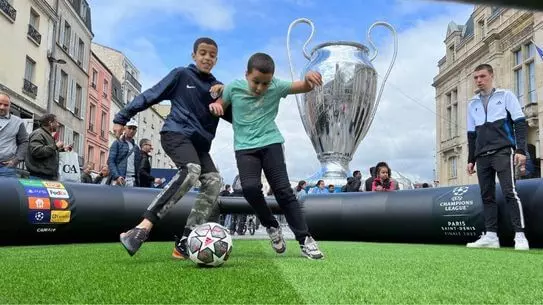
x=209 y=14
x=403 y=131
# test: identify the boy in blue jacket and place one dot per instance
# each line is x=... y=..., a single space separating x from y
x=186 y=138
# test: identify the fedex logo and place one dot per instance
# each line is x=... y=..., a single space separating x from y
x=58 y=193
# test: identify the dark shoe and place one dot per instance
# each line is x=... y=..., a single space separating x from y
x=180 y=250
x=133 y=239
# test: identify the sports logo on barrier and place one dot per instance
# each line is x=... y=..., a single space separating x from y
x=37 y=203
x=460 y=191
x=31 y=182
x=60 y=204
x=36 y=192
x=39 y=216
x=60 y=216
x=58 y=193
x=53 y=184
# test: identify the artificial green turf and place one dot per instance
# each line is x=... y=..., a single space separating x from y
x=351 y=273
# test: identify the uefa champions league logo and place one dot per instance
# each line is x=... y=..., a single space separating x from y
x=39 y=216
x=459 y=191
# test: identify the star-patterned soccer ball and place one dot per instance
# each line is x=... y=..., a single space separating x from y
x=209 y=244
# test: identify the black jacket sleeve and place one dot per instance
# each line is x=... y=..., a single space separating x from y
x=472 y=135
x=158 y=93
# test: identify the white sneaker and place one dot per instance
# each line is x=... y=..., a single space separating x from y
x=521 y=243
x=277 y=240
x=485 y=242
x=310 y=249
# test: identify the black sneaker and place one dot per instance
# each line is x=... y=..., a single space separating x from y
x=133 y=239
x=180 y=250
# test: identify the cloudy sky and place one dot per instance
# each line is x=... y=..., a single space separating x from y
x=158 y=36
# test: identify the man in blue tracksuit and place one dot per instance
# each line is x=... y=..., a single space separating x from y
x=186 y=138
x=496 y=143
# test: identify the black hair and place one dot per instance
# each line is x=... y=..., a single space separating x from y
x=143 y=141
x=355 y=173
x=205 y=40
x=47 y=119
x=261 y=62
x=300 y=185
x=485 y=67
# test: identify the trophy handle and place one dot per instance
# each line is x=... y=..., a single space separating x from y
x=306 y=55
x=395 y=36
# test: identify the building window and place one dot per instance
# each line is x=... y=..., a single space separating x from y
x=61 y=131
x=67 y=36
x=453 y=167
x=81 y=52
x=94 y=78
x=76 y=147
x=63 y=88
x=451 y=56
x=34 y=19
x=524 y=74
x=92 y=116
x=451 y=123
x=103 y=123
x=481 y=30
x=30 y=68
x=90 y=153
x=105 y=89
x=102 y=158
x=83 y=11
x=78 y=99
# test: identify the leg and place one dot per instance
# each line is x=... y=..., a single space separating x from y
x=487 y=183
x=250 y=170
x=183 y=154
x=503 y=163
x=275 y=170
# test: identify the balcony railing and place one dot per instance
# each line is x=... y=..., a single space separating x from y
x=77 y=111
x=62 y=101
x=91 y=127
x=34 y=34
x=103 y=133
x=30 y=89
x=93 y=85
x=8 y=10
x=131 y=79
x=104 y=95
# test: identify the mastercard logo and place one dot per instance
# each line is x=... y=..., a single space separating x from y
x=60 y=204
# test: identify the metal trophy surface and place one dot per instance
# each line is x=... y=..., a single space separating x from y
x=337 y=115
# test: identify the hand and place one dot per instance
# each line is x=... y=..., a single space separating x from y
x=520 y=162
x=216 y=109
x=120 y=181
x=11 y=163
x=158 y=180
x=471 y=169
x=216 y=90
x=313 y=78
x=118 y=130
x=379 y=188
x=60 y=145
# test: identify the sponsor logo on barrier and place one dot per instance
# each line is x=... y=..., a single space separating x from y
x=36 y=203
x=60 y=216
x=58 y=193
x=45 y=230
x=460 y=191
x=31 y=182
x=60 y=204
x=36 y=192
x=53 y=184
x=39 y=216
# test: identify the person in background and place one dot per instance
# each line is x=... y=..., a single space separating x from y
x=125 y=158
x=42 y=158
x=85 y=174
x=103 y=177
x=13 y=138
x=369 y=182
x=144 y=170
x=331 y=188
x=320 y=188
x=383 y=182
x=300 y=192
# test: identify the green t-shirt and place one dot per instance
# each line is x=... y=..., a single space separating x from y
x=253 y=117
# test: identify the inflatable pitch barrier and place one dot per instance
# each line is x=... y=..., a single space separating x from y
x=47 y=212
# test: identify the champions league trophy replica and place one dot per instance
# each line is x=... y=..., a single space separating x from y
x=337 y=115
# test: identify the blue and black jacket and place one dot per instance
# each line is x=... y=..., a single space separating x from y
x=502 y=124
x=188 y=91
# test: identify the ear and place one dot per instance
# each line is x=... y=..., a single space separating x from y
x=193 y=55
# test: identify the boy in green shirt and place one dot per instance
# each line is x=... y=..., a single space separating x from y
x=258 y=145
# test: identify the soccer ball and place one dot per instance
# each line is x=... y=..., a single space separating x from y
x=209 y=244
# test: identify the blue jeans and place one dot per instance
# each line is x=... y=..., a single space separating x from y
x=8 y=172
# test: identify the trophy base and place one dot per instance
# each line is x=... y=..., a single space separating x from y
x=331 y=172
